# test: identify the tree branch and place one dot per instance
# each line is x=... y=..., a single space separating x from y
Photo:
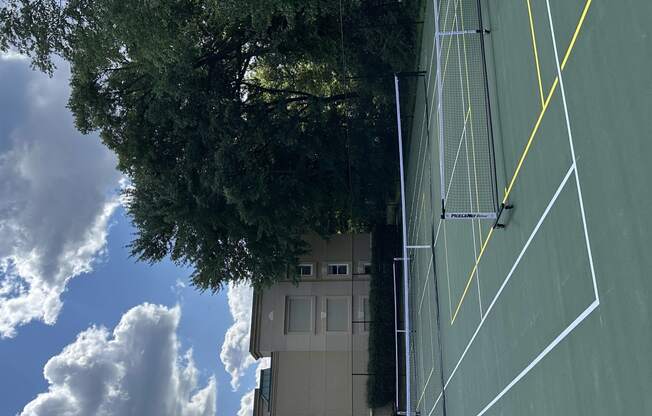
x=329 y=99
x=278 y=90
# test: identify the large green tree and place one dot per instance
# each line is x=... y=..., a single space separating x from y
x=242 y=125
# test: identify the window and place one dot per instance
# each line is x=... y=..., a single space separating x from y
x=337 y=314
x=305 y=270
x=266 y=384
x=338 y=269
x=364 y=268
x=298 y=314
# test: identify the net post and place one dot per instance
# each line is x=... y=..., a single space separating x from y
x=503 y=206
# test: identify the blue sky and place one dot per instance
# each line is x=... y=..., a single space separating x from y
x=70 y=294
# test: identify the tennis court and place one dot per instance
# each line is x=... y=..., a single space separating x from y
x=551 y=314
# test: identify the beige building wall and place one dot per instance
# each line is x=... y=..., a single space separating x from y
x=273 y=334
x=269 y=316
x=319 y=372
x=316 y=384
x=338 y=248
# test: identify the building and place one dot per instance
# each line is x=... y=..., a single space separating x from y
x=316 y=333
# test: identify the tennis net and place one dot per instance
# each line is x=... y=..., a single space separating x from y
x=467 y=161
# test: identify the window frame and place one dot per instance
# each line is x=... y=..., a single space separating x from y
x=337 y=265
x=312 y=269
x=363 y=265
x=347 y=300
x=286 y=315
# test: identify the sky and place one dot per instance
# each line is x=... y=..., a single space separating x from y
x=84 y=328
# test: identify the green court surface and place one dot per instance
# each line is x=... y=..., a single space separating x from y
x=550 y=315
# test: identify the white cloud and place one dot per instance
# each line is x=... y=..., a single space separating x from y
x=58 y=195
x=135 y=370
x=247 y=404
x=11 y=55
x=178 y=289
x=247 y=400
x=235 y=349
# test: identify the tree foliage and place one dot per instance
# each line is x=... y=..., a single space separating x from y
x=242 y=125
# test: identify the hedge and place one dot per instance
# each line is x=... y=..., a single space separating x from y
x=381 y=367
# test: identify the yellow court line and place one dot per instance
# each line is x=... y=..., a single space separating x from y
x=531 y=139
x=547 y=102
x=577 y=31
x=475 y=170
x=470 y=279
x=459 y=148
x=534 y=48
x=509 y=190
x=443 y=75
x=525 y=152
x=468 y=98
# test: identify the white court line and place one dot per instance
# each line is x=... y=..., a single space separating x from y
x=543 y=353
x=509 y=276
x=466 y=117
x=448 y=280
x=448 y=283
x=412 y=215
x=432 y=348
x=429 y=74
x=424 y=123
x=430 y=316
x=448 y=3
x=434 y=244
x=421 y=165
x=420 y=358
x=477 y=269
x=418 y=179
x=450 y=43
x=457 y=154
x=572 y=148
x=475 y=169
x=423 y=208
x=425 y=387
x=419 y=153
x=430 y=65
x=423 y=294
x=596 y=301
x=417 y=339
x=468 y=168
x=434 y=44
x=439 y=90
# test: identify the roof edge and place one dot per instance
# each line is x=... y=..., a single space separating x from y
x=254 y=347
